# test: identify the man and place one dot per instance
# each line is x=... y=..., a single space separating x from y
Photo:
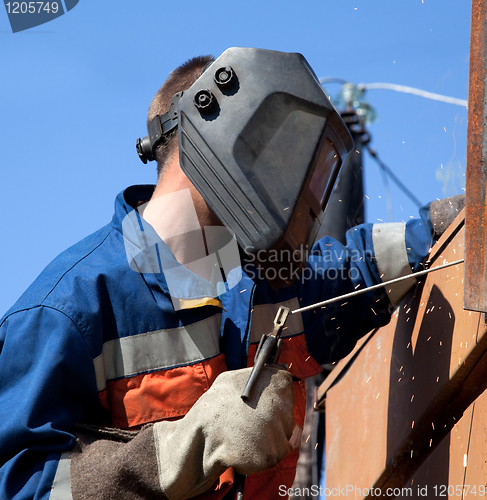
x=121 y=367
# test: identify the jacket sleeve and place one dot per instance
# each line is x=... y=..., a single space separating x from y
x=374 y=253
x=47 y=384
x=51 y=444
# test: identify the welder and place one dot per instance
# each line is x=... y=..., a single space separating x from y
x=122 y=366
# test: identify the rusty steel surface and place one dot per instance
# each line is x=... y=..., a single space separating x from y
x=396 y=399
x=475 y=290
x=457 y=467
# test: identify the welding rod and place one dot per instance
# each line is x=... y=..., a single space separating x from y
x=375 y=287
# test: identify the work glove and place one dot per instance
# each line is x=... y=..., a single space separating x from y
x=221 y=431
x=443 y=212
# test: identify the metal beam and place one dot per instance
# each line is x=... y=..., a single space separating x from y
x=475 y=288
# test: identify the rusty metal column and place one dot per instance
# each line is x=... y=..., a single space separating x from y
x=475 y=288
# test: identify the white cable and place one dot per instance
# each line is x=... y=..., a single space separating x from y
x=412 y=90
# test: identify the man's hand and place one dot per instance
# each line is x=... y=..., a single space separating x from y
x=222 y=431
x=443 y=212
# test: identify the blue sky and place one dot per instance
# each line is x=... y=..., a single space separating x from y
x=74 y=95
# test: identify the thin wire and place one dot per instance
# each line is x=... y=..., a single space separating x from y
x=387 y=189
x=393 y=176
x=411 y=90
x=375 y=287
x=332 y=79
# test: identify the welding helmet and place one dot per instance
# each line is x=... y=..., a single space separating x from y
x=262 y=143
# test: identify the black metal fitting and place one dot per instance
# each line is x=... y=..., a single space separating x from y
x=144 y=149
x=225 y=77
x=204 y=100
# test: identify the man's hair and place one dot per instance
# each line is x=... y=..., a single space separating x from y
x=180 y=79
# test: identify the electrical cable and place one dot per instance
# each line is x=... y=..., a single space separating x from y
x=387 y=189
x=411 y=90
x=393 y=176
x=332 y=79
x=399 y=88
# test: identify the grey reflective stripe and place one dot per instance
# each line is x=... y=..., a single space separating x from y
x=392 y=258
x=61 y=486
x=158 y=350
x=263 y=320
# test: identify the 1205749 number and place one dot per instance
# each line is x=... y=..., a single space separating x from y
x=32 y=7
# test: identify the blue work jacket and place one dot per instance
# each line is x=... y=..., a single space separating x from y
x=90 y=329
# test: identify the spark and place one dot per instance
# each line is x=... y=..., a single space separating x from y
x=377 y=395
x=412 y=425
x=407 y=347
x=428 y=339
x=412 y=453
x=465 y=460
x=400 y=369
x=244 y=290
x=367 y=381
x=373 y=311
x=307 y=439
x=431 y=441
x=307 y=358
x=437 y=379
x=316 y=446
x=433 y=425
x=412 y=397
x=290 y=363
x=367 y=197
x=287 y=208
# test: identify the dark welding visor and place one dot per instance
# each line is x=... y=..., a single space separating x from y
x=263 y=145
